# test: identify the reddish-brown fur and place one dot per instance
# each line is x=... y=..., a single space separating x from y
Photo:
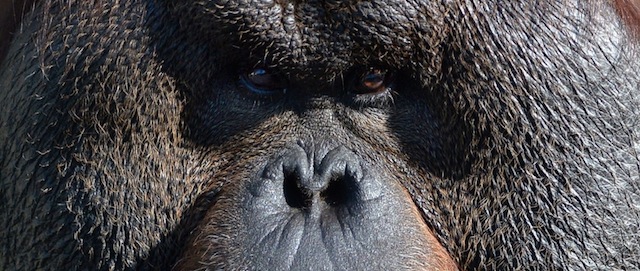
x=439 y=259
x=629 y=10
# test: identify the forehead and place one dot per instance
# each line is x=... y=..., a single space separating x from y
x=328 y=37
x=333 y=34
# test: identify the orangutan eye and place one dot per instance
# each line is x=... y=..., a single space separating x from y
x=373 y=81
x=262 y=82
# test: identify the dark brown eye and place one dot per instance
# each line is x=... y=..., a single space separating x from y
x=262 y=82
x=373 y=81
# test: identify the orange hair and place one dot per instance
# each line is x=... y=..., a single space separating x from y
x=629 y=10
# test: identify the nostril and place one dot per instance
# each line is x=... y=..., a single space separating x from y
x=340 y=191
x=294 y=195
x=333 y=181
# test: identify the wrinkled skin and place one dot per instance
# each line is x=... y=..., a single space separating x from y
x=508 y=137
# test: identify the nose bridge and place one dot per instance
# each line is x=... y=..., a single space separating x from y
x=324 y=128
x=314 y=85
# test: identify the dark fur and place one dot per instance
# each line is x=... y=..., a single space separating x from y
x=515 y=131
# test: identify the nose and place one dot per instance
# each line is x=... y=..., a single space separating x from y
x=316 y=207
x=311 y=183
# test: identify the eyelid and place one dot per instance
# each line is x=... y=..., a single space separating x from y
x=379 y=97
x=386 y=80
x=277 y=86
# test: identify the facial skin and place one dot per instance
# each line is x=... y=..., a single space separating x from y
x=320 y=135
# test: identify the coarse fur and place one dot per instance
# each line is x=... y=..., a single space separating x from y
x=513 y=130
